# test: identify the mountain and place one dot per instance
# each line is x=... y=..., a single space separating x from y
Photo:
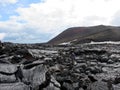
x=87 y=34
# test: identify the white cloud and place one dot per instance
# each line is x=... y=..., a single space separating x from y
x=53 y=16
x=2 y=36
x=7 y=1
x=93 y=20
x=116 y=19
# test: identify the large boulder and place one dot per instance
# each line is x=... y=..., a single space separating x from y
x=35 y=75
x=7 y=73
x=7 y=78
x=14 y=86
x=8 y=69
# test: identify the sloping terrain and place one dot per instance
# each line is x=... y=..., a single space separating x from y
x=88 y=34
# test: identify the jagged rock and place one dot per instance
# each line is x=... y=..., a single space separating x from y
x=8 y=69
x=94 y=70
x=117 y=80
x=54 y=85
x=99 y=85
x=14 y=86
x=33 y=64
x=16 y=59
x=53 y=67
x=92 y=78
x=103 y=58
x=25 y=54
x=4 y=61
x=67 y=86
x=35 y=75
x=116 y=87
x=36 y=53
x=110 y=61
x=7 y=78
x=51 y=87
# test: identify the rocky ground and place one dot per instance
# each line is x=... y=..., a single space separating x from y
x=79 y=67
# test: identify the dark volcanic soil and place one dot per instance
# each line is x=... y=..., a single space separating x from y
x=98 y=33
x=43 y=67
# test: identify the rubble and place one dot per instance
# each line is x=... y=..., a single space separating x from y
x=78 y=67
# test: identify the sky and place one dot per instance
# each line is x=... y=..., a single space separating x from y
x=37 y=21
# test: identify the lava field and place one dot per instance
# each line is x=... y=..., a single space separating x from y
x=65 y=67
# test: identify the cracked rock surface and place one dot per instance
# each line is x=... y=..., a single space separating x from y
x=45 y=67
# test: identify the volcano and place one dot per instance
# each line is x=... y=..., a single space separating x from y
x=98 y=33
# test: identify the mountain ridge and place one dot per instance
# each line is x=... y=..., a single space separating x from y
x=87 y=34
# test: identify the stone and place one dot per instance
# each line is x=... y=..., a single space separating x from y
x=8 y=69
x=7 y=78
x=14 y=86
x=99 y=85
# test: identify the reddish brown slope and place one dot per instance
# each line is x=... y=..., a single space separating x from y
x=85 y=34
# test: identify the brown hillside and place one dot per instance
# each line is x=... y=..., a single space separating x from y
x=87 y=34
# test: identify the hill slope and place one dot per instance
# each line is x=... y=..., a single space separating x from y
x=87 y=34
